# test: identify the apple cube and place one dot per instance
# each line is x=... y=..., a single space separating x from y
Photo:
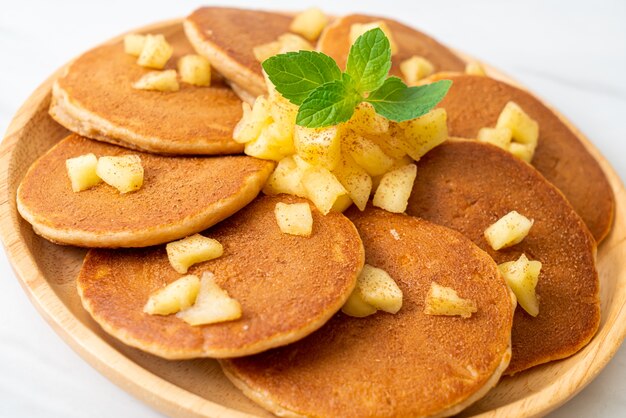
x=509 y=230
x=286 y=178
x=264 y=51
x=400 y=162
x=195 y=69
x=379 y=290
x=416 y=68
x=194 y=249
x=134 y=43
x=358 y=29
x=213 y=304
x=158 y=80
x=366 y=122
x=155 y=53
x=395 y=188
x=425 y=133
x=294 y=219
x=356 y=306
x=367 y=154
x=290 y=42
x=125 y=173
x=522 y=151
x=176 y=296
x=254 y=119
x=323 y=189
x=355 y=180
x=309 y=23
x=522 y=126
x=82 y=172
x=522 y=277
x=474 y=68
x=320 y=147
x=442 y=300
x=500 y=137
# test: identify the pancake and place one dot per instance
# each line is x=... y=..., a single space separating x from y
x=288 y=286
x=95 y=98
x=180 y=196
x=467 y=186
x=474 y=102
x=407 y=364
x=335 y=41
x=226 y=36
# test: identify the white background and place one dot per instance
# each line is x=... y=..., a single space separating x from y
x=572 y=53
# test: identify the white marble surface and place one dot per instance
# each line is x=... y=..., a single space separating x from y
x=572 y=53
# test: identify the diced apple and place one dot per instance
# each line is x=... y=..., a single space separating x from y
x=509 y=230
x=522 y=277
x=286 y=178
x=290 y=42
x=400 y=162
x=522 y=151
x=174 y=297
x=342 y=203
x=425 y=133
x=522 y=126
x=320 y=147
x=442 y=300
x=254 y=119
x=367 y=154
x=395 y=188
x=294 y=219
x=82 y=172
x=358 y=29
x=267 y=147
x=213 y=304
x=125 y=173
x=356 y=306
x=366 y=122
x=379 y=290
x=195 y=69
x=355 y=180
x=194 y=249
x=500 y=137
x=322 y=188
x=155 y=53
x=416 y=68
x=309 y=23
x=264 y=51
x=158 y=80
x=474 y=68
x=134 y=43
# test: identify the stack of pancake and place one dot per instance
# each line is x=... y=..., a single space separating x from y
x=293 y=351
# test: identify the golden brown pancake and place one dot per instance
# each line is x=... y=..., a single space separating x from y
x=95 y=98
x=226 y=36
x=288 y=286
x=335 y=41
x=180 y=196
x=467 y=186
x=475 y=102
x=407 y=364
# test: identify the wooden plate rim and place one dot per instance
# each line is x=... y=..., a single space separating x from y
x=175 y=401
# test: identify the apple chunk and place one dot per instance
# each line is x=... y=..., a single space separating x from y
x=176 y=296
x=82 y=172
x=213 y=304
x=155 y=53
x=379 y=290
x=294 y=219
x=125 y=172
x=442 y=300
x=395 y=188
x=522 y=277
x=357 y=307
x=509 y=230
x=194 y=249
x=195 y=70
x=309 y=23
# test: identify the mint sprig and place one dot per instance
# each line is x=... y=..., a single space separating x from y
x=326 y=96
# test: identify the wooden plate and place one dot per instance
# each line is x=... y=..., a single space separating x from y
x=197 y=388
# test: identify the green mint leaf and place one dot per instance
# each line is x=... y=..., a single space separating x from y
x=329 y=104
x=397 y=102
x=369 y=60
x=297 y=74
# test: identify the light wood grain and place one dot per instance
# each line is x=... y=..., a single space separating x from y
x=197 y=388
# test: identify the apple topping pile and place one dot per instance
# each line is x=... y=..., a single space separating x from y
x=125 y=173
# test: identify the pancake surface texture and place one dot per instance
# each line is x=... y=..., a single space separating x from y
x=474 y=102
x=407 y=364
x=467 y=186
x=335 y=41
x=288 y=286
x=96 y=99
x=227 y=36
x=180 y=196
